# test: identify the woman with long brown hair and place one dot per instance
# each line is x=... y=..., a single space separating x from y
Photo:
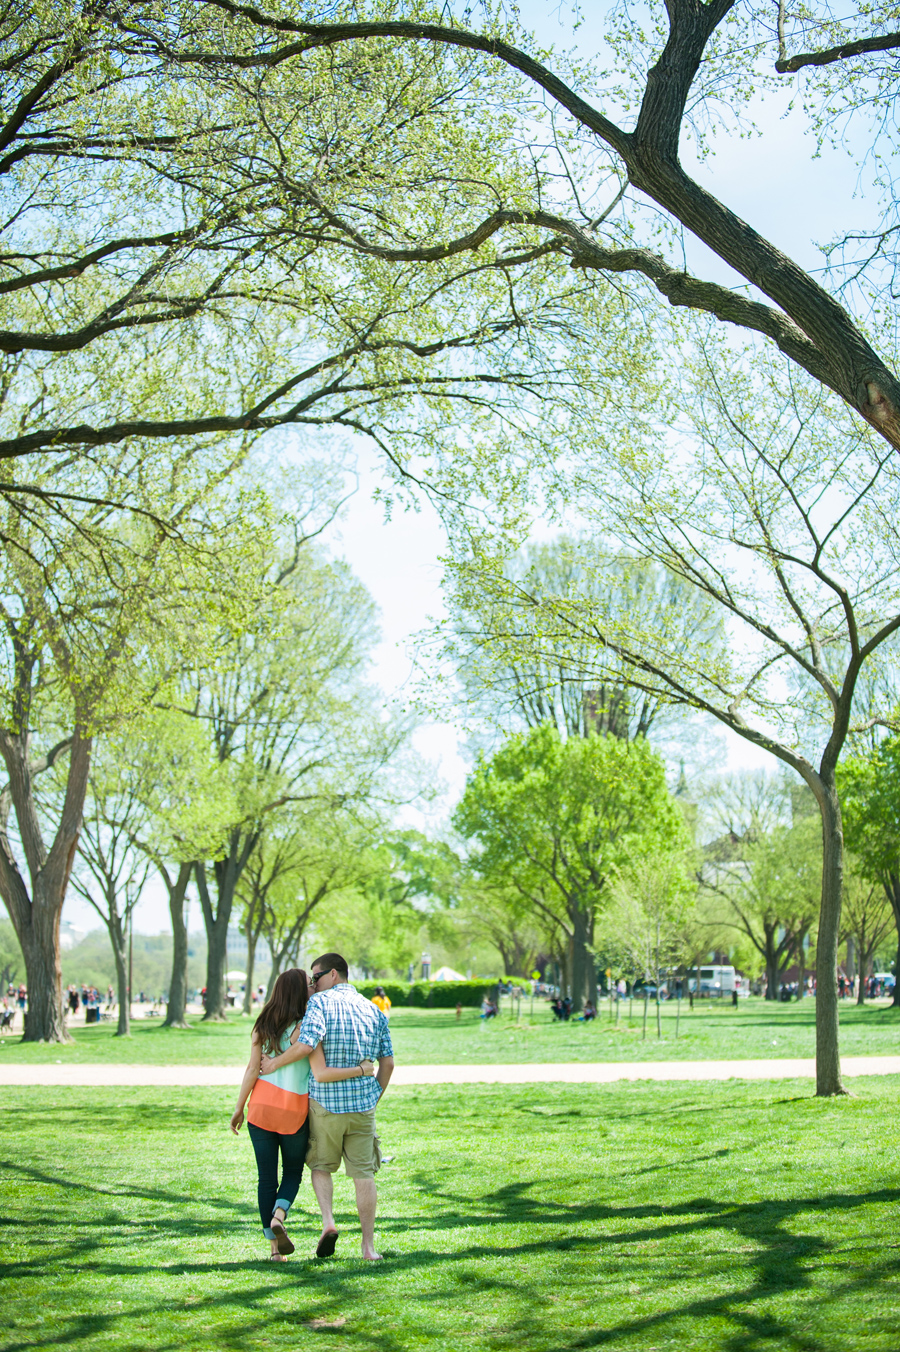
x=277 y=1118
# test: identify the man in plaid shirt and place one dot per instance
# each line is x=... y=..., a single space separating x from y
x=342 y=1115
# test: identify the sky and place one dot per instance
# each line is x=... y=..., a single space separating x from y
x=775 y=181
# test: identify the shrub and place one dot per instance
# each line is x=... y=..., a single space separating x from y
x=431 y=994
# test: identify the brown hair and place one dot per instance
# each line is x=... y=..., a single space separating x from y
x=284 y=1008
x=329 y=960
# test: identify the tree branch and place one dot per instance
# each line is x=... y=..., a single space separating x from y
x=788 y=65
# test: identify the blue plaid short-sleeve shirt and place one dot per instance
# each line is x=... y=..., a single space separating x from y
x=350 y=1027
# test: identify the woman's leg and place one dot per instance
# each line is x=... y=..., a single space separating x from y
x=293 y=1157
x=265 y=1147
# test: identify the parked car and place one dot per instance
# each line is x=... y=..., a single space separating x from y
x=650 y=987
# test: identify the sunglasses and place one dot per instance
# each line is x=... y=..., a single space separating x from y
x=314 y=977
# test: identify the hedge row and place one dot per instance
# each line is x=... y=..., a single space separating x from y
x=431 y=994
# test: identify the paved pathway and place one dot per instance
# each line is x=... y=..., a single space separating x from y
x=568 y=1073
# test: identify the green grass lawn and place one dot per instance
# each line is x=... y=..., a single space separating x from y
x=643 y=1216
x=424 y=1036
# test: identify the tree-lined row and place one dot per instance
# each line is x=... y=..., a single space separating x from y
x=196 y=690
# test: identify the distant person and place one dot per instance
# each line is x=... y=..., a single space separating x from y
x=277 y=1121
x=381 y=1001
x=590 y=1011
x=342 y=1117
x=22 y=996
x=458 y=1010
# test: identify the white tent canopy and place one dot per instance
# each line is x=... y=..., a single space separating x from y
x=447 y=974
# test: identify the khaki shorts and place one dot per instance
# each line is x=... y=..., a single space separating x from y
x=348 y=1135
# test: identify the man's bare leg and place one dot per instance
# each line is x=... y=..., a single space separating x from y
x=323 y=1187
x=366 y=1197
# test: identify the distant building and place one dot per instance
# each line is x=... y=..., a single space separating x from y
x=236 y=944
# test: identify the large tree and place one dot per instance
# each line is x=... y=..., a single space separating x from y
x=90 y=552
x=624 y=128
x=184 y=249
x=109 y=873
x=288 y=717
x=159 y=790
x=555 y=819
x=727 y=491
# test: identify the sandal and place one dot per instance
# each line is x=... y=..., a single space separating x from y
x=281 y=1237
x=326 y=1245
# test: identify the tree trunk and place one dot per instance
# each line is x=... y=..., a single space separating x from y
x=178 y=984
x=216 y=966
x=45 y=1019
x=216 y=925
x=251 y=963
x=828 y=1061
x=862 y=966
x=227 y=873
x=564 y=963
x=592 y=967
x=581 y=958
x=120 y=953
x=36 y=917
x=773 y=974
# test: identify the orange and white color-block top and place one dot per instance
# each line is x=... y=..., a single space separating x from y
x=280 y=1101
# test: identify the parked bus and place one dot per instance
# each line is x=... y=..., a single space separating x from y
x=718 y=981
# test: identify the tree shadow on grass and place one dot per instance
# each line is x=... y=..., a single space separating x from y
x=618 y=1240
x=603 y=1233
x=782 y=1265
x=123 y=1190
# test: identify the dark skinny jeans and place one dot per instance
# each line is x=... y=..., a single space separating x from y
x=266 y=1145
